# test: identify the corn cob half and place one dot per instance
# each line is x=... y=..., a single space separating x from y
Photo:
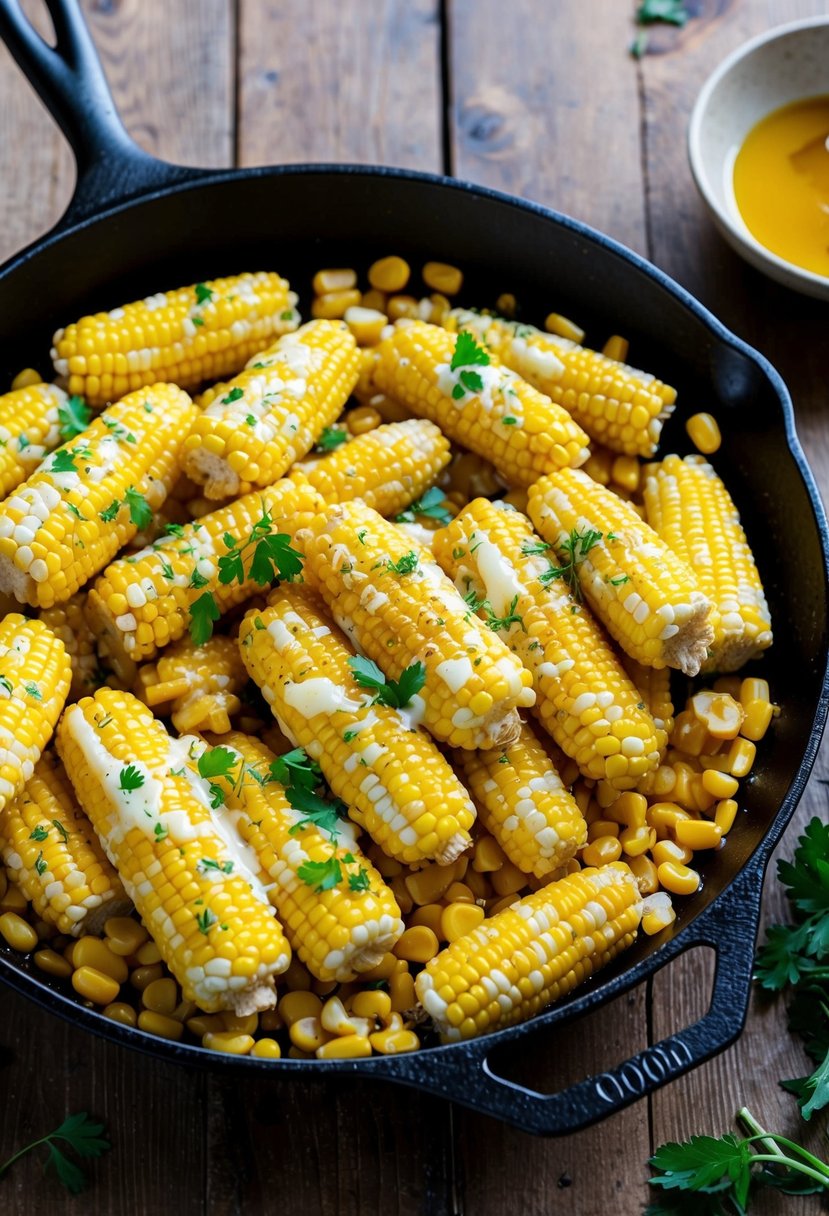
x=34 y=680
x=196 y=333
x=86 y=500
x=585 y=699
x=399 y=608
x=338 y=913
x=254 y=427
x=392 y=777
x=645 y=595
x=692 y=511
x=618 y=405
x=29 y=429
x=523 y=803
x=54 y=856
x=195 y=886
x=531 y=954
x=196 y=685
x=482 y=405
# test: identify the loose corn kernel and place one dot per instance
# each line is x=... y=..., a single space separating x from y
x=401 y=893
x=159 y=1025
x=505 y=305
x=670 y=851
x=347 y=1047
x=440 y=276
x=429 y=915
x=161 y=996
x=728 y=684
x=757 y=720
x=478 y=884
x=94 y=952
x=508 y=879
x=677 y=878
x=602 y=851
x=430 y=884
x=308 y=1034
x=704 y=433
x=323 y=988
x=325 y=281
x=142 y=976
x=616 y=348
x=494 y=906
x=367 y=324
x=53 y=964
x=26 y=378
x=362 y=419
x=725 y=815
x=487 y=855
x=459 y=893
x=334 y=1017
x=266 y=1049
x=417 y=945
x=689 y=734
x=664 y=780
x=657 y=913
x=555 y=323
x=205 y=1023
x=371 y=1004
x=13 y=900
x=374 y=299
x=383 y=971
x=629 y=809
x=402 y=992
x=698 y=834
x=334 y=305
x=636 y=841
x=184 y=1010
x=232 y=1044
x=18 y=933
x=627 y=472
x=740 y=757
x=95 y=986
x=148 y=954
x=294 y=1053
x=118 y=1011
x=719 y=784
x=394 y=1042
x=719 y=713
x=602 y=827
x=270 y=1019
x=753 y=688
x=459 y=919
x=297 y=978
x=402 y=306
x=299 y=1004
x=389 y=274
x=124 y=935
x=645 y=873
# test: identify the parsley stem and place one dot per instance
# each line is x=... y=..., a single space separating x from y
x=799 y=1166
x=22 y=1153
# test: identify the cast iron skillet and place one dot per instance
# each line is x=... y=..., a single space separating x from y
x=136 y=225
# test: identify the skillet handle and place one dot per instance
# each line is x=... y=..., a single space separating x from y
x=729 y=925
x=70 y=82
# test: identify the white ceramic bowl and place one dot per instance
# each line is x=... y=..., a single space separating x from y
x=783 y=65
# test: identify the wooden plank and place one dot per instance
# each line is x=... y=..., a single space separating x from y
x=347 y=81
x=545 y=105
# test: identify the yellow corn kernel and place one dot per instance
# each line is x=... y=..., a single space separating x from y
x=346 y=1047
x=417 y=945
x=367 y=324
x=384 y=970
x=645 y=873
x=184 y=1010
x=725 y=815
x=719 y=713
x=26 y=379
x=53 y=963
x=443 y=278
x=148 y=954
x=636 y=841
x=266 y=1049
x=657 y=913
x=93 y=952
x=488 y=855
x=704 y=433
x=362 y=420
x=323 y=988
x=459 y=919
x=232 y=1044
x=240 y=1023
x=740 y=757
x=757 y=720
x=689 y=734
x=626 y=472
x=403 y=306
x=299 y=1004
x=752 y=688
x=602 y=851
x=629 y=809
x=118 y=1011
x=334 y=305
x=459 y=892
x=161 y=996
x=616 y=348
x=508 y=879
x=159 y=1025
x=308 y=1034
x=670 y=851
x=677 y=878
x=506 y=304
x=602 y=827
x=402 y=992
x=555 y=323
x=430 y=884
x=334 y=1017
x=374 y=299
x=728 y=684
x=326 y=281
x=394 y=1042
x=95 y=986
x=697 y=834
x=141 y=977
x=429 y=915
x=664 y=780
x=297 y=977
x=371 y=1004
x=270 y=1019
x=294 y=1053
x=389 y=274
x=205 y=1023
x=125 y=936
x=19 y=935
x=721 y=785
x=401 y=894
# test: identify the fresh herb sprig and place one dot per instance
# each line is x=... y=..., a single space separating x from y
x=79 y=1133
x=395 y=693
x=331 y=438
x=650 y=12
x=466 y=356
x=576 y=548
x=73 y=417
x=431 y=505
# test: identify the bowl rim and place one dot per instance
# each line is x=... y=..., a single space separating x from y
x=742 y=235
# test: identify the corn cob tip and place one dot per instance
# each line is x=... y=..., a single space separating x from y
x=453 y=848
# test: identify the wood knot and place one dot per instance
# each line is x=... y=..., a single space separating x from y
x=495 y=124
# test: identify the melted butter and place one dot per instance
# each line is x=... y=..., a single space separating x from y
x=781 y=183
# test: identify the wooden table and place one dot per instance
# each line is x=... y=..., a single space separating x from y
x=538 y=97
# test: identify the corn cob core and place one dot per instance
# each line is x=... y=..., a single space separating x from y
x=616 y=404
x=523 y=804
x=192 y=882
x=585 y=699
x=642 y=592
x=395 y=782
x=75 y=512
x=254 y=427
x=532 y=953
x=69 y=621
x=196 y=333
x=508 y=422
x=144 y=602
x=337 y=933
x=399 y=608
x=29 y=429
x=687 y=504
x=54 y=856
x=388 y=468
x=198 y=685
x=34 y=681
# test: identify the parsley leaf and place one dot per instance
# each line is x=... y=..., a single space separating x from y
x=316 y=811
x=61 y=830
x=130 y=778
x=40 y=864
x=39 y=833
x=430 y=505
x=204 y=294
x=502 y=622
x=672 y=11
x=6 y=684
x=203 y=612
x=33 y=691
x=81 y=1135
x=206 y=920
x=217 y=762
x=63 y=461
x=406 y=564
x=109 y=513
x=141 y=513
x=395 y=693
x=468 y=353
x=359 y=881
x=235 y=394
x=321 y=875
x=296 y=768
x=73 y=417
x=331 y=438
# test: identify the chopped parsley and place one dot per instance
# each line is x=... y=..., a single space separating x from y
x=63 y=461
x=197 y=580
x=204 y=294
x=109 y=513
x=321 y=875
x=395 y=693
x=130 y=778
x=39 y=833
x=61 y=830
x=141 y=513
x=207 y=864
x=33 y=691
x=203 y=612
x=6 y=684
x=235 y=394
x=431 y=505
x=531 y=548
x=206 y=920
x=73 y=417
x=250 y=420
x=331 y=438
x=406 y=564
x=576 y=548
x=73 y=510
x=511 y=617
x=160 y=832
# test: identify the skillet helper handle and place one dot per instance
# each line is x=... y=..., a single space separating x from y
x=70 y=81
x=729 y=925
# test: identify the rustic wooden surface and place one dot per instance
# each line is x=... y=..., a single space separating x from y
x=543 y=100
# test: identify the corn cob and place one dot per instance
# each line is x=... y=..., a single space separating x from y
x=585 y=700
x=185 y=336
x=338 y=931
x=53 y=855
x=87 y=499
x=485 y=407
x=534 y=952
x=616 y=404
x=690 y=508
x=143 y=602
x=29 y=429
x=70 y=622
x=399 y=608
x=387 y=468
x=392 y=777
x=523 y=804
x=34 y=681
x=655 y=689
x=196 y=685
x=645 y=595
x=193 y=883
x=254 y=427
